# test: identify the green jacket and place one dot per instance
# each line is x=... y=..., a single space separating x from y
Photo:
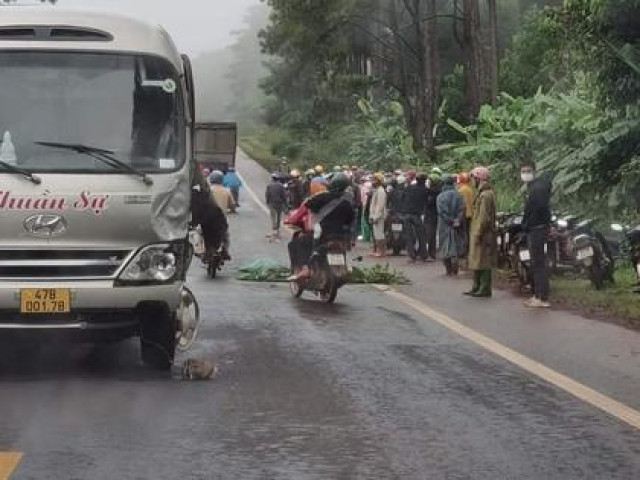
x=484 y=248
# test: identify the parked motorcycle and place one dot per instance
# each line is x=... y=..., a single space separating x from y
x=329 y=272
x=593 y=254
x=630 y=247
x=502 y=238
x=396 y=237
x=511 y=239
x=560 y=248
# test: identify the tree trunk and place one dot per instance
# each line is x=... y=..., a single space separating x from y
x=431 y=74
x=493 y=51
x=473 y=77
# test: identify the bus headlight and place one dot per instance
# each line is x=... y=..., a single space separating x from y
x=153 y=264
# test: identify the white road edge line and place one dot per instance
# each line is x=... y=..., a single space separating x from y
x=253 y=194
x=586 y=394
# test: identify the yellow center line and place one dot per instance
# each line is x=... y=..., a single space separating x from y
x=606 y=404
x=9 y=461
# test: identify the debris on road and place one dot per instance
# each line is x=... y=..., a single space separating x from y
x=199 y=370
x=264 y=270
x=378 y=274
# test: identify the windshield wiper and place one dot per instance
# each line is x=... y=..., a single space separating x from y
x=105 y=156
x=26 y=174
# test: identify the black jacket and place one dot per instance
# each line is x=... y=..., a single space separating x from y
x=431 y=209
x=206 y=212
x=339 y=221
x=537 y=210
x=414 y=199
x=395 y=199
x=276 y=195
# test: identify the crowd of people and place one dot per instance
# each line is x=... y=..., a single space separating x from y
x=451 y=217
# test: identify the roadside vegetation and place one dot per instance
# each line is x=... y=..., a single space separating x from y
x=388 y=84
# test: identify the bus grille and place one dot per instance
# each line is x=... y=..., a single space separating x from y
x=70 y=264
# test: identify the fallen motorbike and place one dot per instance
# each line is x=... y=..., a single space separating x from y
x=630 y=247
x=396 y=238
x=329 y=271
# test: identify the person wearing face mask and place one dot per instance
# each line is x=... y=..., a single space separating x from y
x=537 y=217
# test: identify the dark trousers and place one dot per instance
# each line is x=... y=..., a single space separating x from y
x=300 y=250
x=482 y=281
x=415 y=235
x=537 y=239
x=467 y=237
x=431 y=232
x=235 y=194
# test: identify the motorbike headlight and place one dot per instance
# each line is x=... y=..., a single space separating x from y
x=153 y=264
x=563 y=223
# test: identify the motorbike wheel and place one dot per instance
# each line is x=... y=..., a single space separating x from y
x=596 y=275
x=331 y=292
x=296 y=289
x=212 y=270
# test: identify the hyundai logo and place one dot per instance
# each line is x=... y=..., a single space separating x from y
x=45 y=225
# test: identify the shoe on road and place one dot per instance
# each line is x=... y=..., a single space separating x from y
x=481 y=295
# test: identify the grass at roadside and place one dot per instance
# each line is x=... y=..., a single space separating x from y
x=617 y=304
x=259 y=150
x=616 y=301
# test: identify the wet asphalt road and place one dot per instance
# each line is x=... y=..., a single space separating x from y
x=365 y=389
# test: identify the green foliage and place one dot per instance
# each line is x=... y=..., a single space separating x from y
x=535 y=59
x=590 y=154
x=378 y=275
x=380 y=141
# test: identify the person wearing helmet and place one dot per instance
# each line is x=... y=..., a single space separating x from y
x=334 y=210
x=318 y=184
x=208 y=214
x=483 y=249
x=222 y=195
x=467 y=193
x=234 y=184
x=295 y=189
x=319 y=170
x=276 y=199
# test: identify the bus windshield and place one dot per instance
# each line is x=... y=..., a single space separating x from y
x=128 y=104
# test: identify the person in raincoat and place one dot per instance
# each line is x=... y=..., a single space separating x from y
x=467 y=193
x=483 y=245
x=378 y=216
x=451 y=214
x=233 y=183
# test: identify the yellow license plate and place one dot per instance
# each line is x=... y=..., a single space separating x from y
x=45 y=300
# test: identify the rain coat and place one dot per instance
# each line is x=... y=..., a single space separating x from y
x=484 y=247
x=378 y=212
x=451 y=214
x=232 y=181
